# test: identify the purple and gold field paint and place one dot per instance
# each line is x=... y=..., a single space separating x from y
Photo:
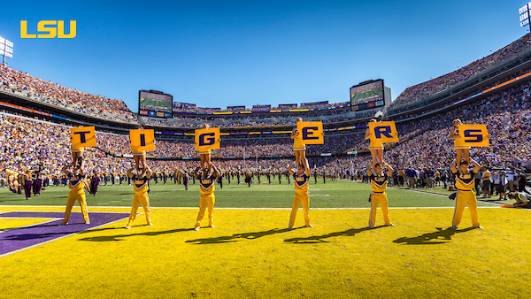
x=24 y=237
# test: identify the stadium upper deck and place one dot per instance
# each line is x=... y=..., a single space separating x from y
x=31 y=89
x=432 y=87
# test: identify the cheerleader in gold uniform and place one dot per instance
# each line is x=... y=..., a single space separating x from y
x=77 y=185
x=301 y=179
x=140 y=178
x=205 y=156
x=465 y=185
x=462 y=151
x=299 y=148
x=378 y=178
x=375 y=147
x=207 y=179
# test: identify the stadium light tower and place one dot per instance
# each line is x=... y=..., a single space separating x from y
x=6 y=49
x=525 y=12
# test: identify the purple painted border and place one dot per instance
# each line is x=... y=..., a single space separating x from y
x=20 y=238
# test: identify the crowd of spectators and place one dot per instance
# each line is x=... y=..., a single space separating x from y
x=190 y=108
x=27 y=143
x=507 y=115
x=23 y=84
x=425 y=146
x=252 y=121
x=434 y=86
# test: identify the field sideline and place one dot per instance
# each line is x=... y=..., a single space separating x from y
x=339 y=194
x=250 y=253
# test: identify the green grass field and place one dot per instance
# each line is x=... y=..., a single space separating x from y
x=339 y=194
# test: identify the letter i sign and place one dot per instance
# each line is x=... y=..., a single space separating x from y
x=142 y=140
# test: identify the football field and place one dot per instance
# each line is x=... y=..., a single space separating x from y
x=251 y=254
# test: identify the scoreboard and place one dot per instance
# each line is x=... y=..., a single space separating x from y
x=367 y=95
x=154 y=103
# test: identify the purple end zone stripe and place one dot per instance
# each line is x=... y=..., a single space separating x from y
x=19 y=238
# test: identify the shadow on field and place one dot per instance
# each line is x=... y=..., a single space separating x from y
x=440 y=236
x=122 y=236
x=321 y=238
x=232 y=238
x=25 y=237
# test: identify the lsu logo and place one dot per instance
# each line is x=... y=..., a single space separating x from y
x=207 y=139
x=311 y=132
x=49 y=29
x=142 y=140
x=82 y=137
x=383 y=132
x=474 y=135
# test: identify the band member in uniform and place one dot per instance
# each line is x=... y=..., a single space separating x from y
x=465 y=185
x=220 y=179
x=230 y=174
x=248 y=177
x=299 y=148
x=301 y=183
x=183 y=173
x=140 y=178
x=258 y=173
x=379 y=178
x=37 y=182
x=27 y=183
x=462 y=152
x=94 y=183
x=77 y=185
x=207 y=179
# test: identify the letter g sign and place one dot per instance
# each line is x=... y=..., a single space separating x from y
x=207 y=139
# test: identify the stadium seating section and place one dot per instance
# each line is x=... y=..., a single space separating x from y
x=27 y=140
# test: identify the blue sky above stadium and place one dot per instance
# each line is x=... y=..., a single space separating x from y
x=219 y=53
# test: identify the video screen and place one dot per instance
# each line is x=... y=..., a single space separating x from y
x=367 y=95
x=155 y=104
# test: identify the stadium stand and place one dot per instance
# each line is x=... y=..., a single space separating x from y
x=35 y=116
x=434 y=86
x=25 y=85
